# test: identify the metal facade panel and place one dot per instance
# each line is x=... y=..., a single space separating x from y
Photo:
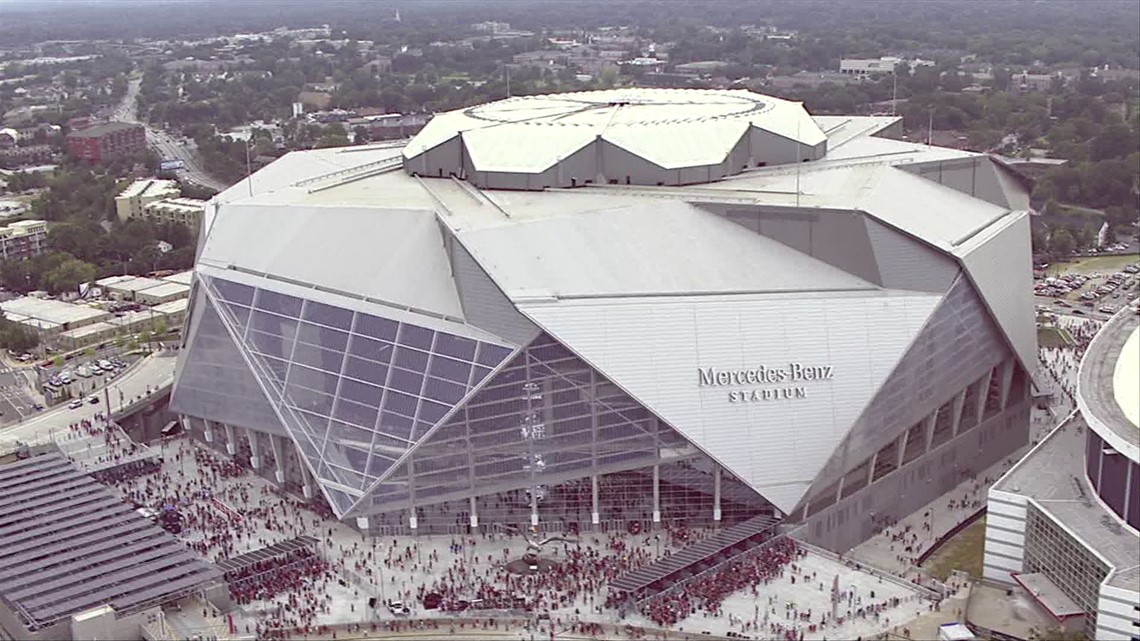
x=660 y=352
x=957 y=344
x=907 y=263
x=390 y=255
x=999 y=262
x=635 y=251
x=484 y=305
x=215 y=383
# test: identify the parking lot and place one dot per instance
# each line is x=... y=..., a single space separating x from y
x=80 y=380
x=1093 y=294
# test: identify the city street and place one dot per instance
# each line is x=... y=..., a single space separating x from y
x=166 y=146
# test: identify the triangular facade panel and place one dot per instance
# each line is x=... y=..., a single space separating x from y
x=958 y=340
x=354 y=390
x=544 y=418
x=786 y=375
x=998 y=263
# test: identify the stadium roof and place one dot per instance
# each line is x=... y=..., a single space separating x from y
x=68 y=545
x=1107 y=391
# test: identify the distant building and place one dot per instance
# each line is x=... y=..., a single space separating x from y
x=1037 y=82
x=391 y=126
x=187 y=211
x=491 y=27
x=132 y=202
x=23 y=239
x=17 y=157
x=100 y=142
x=884 y=64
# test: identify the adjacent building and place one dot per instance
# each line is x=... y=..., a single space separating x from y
x=1063 y=523
x=103 y=141
x=132 y=201
x=23 y=239
x=604 y=308
x=883 y=65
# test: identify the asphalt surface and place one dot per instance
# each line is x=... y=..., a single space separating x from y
x=15 y=402
x=167 y=146
x=154 y=372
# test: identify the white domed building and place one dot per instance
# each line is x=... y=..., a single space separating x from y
x=600 y=308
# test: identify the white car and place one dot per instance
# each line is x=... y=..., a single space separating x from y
x=76 y=404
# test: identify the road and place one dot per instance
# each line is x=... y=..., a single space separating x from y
x=166 y=145
x=153 y=372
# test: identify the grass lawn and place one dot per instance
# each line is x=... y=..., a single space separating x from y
x=1102 y=264
x=963 y=552
x=1053 y=337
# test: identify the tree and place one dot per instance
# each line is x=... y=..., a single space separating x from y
x=1062 y=243
x=69 y=275
x=17 y=337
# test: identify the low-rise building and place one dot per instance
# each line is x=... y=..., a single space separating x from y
x=23 y=239
x=87 y=335
x=187 y=211
x=883 y=64
x=174 y=312
x=119 y=288
x=133 y=200
x=163 y=293
x=48 y=316
x=184 y=278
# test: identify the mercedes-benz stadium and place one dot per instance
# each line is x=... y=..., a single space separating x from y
x=618 y=309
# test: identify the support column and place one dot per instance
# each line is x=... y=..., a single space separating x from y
x=277 y=443
x=231 y=444
x=413 y=522
x=983 y=394
x=534 y=505
x=254 y=449
x=1006 y=378
x=208 y=433
x=306 y=480
x=474 y=513
x=956 y=414
x=902 y=448
x=656 y=493
x=871 y=468
x=594 y=516
x=716 y=495
x=928 y=429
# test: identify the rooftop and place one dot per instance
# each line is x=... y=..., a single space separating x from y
x=167 y=289
x=97 y=131
x=1108 y=384
x=135 y=284
x=68 y=544
x=173 y=307
x=149 y=186
x=51 y=311
x=94 y=329
x=184 y=278
x=1052 y=477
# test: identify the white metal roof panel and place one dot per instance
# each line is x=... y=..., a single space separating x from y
x=656 y=248
x=391 y=255
x=657 y=348
x=698 y=144
x=497 y=148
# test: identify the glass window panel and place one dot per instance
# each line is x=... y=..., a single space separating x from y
x=396 y=425
x=309 y=400
x=405 y=381
x=313 y=356
x=323 y=314
x=233 y=292
x=372 y=349
x=323 y=337
x=443 y=391
x=361 y=392
x=450 y=369
x=268 y=344
x=276 y=366
x=478 y=374
x=415 y=336
x=366 y=371
x=355 y=413
x=279 y=303
x=270 y=324
x=491 y=355
x=375 y=327
x=403 y=403
x=238 y=314
x=432 y=412
x=312 y=378
x=349 y=435
x=411 y=359
x=454 y=346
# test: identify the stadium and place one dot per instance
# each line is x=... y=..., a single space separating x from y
x=618 y=309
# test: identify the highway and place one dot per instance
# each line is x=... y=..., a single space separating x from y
x=153 y=372
x=165 y=145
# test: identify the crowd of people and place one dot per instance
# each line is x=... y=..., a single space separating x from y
x=706 y=593
x=264 y=580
